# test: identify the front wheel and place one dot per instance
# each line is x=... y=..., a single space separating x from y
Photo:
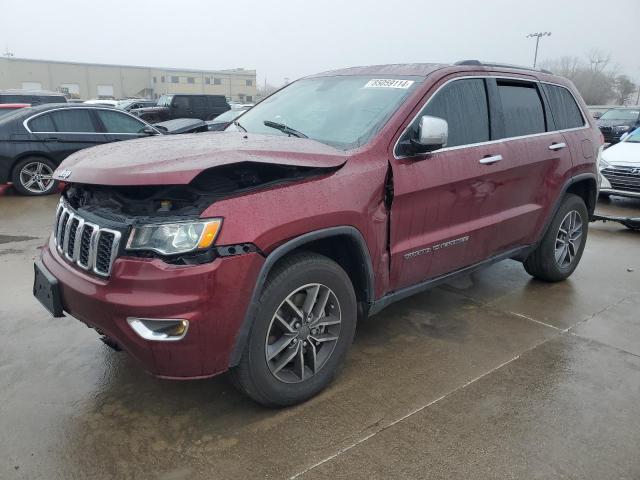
x=560 y=250
x=304 y=324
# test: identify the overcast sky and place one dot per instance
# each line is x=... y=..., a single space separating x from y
x=289 y=39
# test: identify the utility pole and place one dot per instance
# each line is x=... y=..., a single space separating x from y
x=537 y=37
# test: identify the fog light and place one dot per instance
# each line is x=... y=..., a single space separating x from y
x=159 y=329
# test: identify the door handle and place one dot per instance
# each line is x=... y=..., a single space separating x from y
x=52 y=139
x=557 y=146
x=489 y=159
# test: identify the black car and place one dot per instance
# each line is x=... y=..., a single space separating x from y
x=31 y=97
x=135 y=103
x=169 y=107
x=35 y=140
x=616 y=122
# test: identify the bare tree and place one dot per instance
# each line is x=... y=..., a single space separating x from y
x=623 y=88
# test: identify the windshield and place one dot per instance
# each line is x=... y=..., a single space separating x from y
x=634 y=137
x=6 y=111
x=621 y=114
x=342 y=111
x=165 y=100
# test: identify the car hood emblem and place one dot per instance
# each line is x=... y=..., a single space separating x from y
x=64 y=174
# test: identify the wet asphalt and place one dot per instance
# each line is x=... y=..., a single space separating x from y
x=494 y=375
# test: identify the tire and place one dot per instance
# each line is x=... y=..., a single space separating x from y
x=34 y=176
x=543 y=262
x=280 y=382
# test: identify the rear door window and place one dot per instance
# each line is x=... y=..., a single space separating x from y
x=116 y=122
x=522 y=108
x=565 y=110
x=75 y=120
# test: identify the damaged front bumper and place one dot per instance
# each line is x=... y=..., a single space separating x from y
x=211 y=298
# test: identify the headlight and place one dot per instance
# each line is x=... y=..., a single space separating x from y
x=604 y=163
x=622 y=128
x=173 y=238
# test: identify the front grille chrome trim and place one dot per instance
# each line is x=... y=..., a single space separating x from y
x=65 y=219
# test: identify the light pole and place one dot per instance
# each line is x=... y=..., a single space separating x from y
x=537 y=36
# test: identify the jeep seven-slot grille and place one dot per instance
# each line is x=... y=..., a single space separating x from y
x=87 y=245
x=623 y=178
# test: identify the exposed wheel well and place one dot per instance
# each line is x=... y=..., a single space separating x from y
x=587 y=190
x=347 y=253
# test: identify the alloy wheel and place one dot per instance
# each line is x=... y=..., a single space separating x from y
x=568 y=239
x=36 y=177
x=303 y=333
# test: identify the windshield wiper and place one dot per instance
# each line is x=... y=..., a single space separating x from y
x=284 y=129
x=237 y=124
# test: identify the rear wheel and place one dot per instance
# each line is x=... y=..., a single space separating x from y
x=560 y=250
x=304 y=324
x=34 y=176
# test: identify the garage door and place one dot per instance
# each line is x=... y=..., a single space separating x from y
x=105 y=91
x=31 y=86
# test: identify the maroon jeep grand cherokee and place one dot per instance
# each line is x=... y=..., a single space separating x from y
x=255 y=250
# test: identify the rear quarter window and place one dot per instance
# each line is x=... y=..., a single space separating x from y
x=522 y=109
x=564 y=109
x=43 y=123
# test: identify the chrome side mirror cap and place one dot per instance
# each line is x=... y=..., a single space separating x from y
x=433 y=134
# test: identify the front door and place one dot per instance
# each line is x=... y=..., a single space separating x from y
x=65 y=131
x=447 y=204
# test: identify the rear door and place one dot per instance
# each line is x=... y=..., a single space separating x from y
x=447 y=205
x=538 y=159
x=66 y=131
x=118 y=126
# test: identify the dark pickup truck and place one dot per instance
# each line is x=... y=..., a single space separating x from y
x=169 y=107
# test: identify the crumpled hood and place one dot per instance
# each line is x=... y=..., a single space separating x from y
x=176 y=160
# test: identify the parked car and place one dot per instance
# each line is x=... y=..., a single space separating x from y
x=224 y=120
x=6 y=108
x=133 y=103
x=106 y=103
x=598 y=110
x=182 y=125
x=34 y=140
x=257 y=250
x=620 y=167
x=618 y=121
x=169 y=107
x=31 y=97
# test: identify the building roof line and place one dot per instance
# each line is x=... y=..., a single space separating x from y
x=231 y=71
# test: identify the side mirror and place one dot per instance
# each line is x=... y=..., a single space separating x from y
x=433 y=133
x=148 y=130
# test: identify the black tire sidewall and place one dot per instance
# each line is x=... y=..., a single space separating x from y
x=15 y=176
x=571 y=203
x=321 y=270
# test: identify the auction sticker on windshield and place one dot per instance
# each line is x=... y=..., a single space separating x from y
x=388 y=83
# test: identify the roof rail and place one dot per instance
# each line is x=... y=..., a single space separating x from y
x=502 y=65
